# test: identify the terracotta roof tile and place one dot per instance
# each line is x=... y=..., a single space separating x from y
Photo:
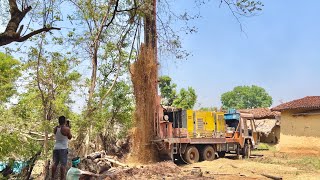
x=261 y=113
x=309 y=102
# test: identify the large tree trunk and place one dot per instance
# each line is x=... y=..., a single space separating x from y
x=150 y=27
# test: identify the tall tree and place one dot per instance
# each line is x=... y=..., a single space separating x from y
x=52 y=82
x=109 y=25
x=244 y=97
x=9 y=73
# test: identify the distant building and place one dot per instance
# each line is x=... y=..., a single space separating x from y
x=300 y=117
x=267 y=124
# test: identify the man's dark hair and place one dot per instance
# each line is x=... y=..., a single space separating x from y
x=62 y=120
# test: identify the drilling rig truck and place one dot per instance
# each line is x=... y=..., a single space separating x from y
x=193 y=136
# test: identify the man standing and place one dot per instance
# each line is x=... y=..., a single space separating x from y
x=60 y=151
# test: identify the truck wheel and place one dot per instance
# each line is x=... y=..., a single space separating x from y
x=208 y=153
x=247 y=150
x=191 y=155
x=222 y=154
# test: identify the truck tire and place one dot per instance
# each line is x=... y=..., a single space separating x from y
x=208 y=153
x=191 y=155
x=222 y=154
x=247 y=150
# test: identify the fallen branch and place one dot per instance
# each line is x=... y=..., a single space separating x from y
x=234 y=166
x=39 y=134
x=272 y=177
x=95 y=155
x=33 y=133
x=224 y=174
x=116 y=162
x=36 y=139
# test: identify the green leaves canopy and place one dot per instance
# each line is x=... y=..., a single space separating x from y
x=244 y=97
x=167 y=90
x=186 y=99
x=9 y=73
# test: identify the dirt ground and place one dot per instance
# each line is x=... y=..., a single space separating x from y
x=293 y=158
x=272 y=162
x=302 y=164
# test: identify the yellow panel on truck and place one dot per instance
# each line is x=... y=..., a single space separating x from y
x=205 y=123
x=219 y=118
x=190 y=122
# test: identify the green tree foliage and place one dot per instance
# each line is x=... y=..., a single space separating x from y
x=13 y=141
x=52 y=82
x=49 y=80
x=9 y=73
x=244 y=97
x=115 y=117
x=167 y=90
x=186 y=99
x=109 y=29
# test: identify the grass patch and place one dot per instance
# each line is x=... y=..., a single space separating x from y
x=308 y=163
x=311 y=163
x=265 y=146
x=267 y=160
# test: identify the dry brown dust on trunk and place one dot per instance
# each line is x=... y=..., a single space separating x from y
x=144 y=78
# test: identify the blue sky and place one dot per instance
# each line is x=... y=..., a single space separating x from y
x=280 y=52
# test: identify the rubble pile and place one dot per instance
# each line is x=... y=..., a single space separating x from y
x=99 y=162
x=110 y=168
x=121 y=147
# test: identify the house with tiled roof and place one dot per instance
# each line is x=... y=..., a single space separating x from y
x=267 y=123
x=300 y=117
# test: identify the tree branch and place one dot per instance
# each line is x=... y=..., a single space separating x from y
x=12 y=34
x=113 y=84
x=234 y=14
x=45 y=29
x=13 y=7
x=113 y=15
x=128 y=10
